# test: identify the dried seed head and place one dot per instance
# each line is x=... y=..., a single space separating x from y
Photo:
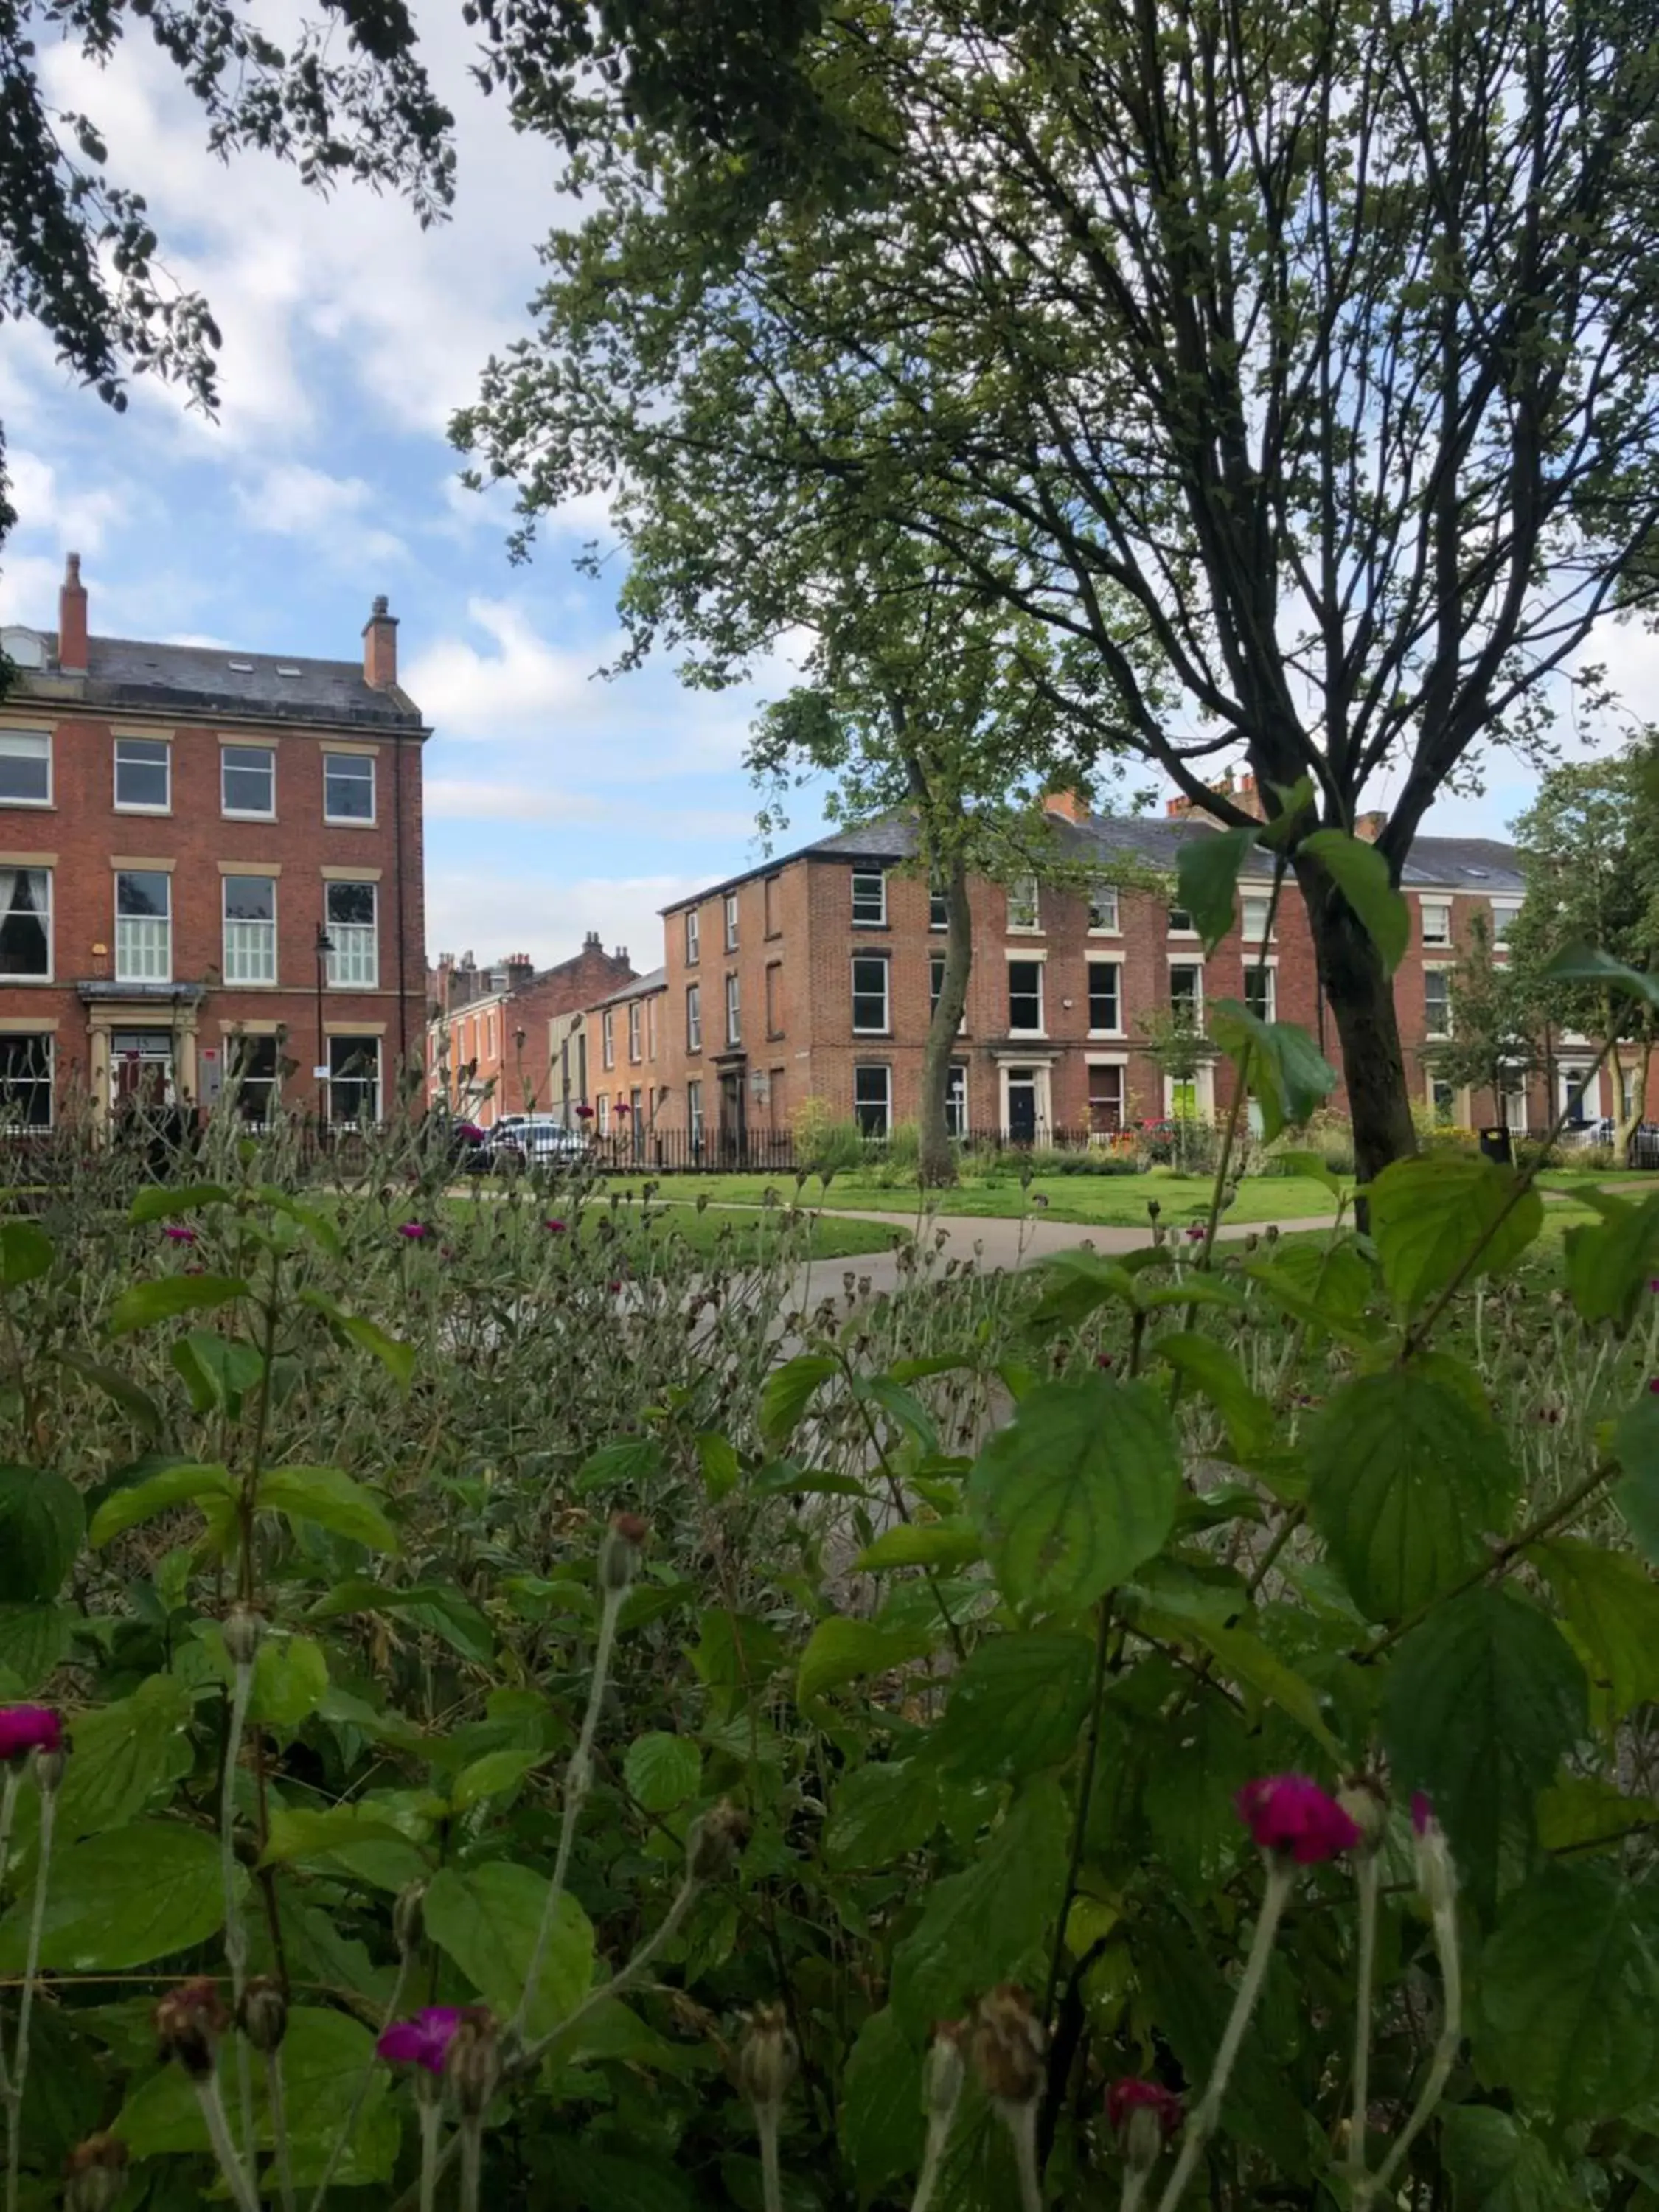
x=244 y=1632
x=408 y=1918
x=94 y=2173
x=619 y=1552
x=712 y=1842
x=472 y=2065
x=1007 y=2046
x=189 y=2022
x=1363 y=1799
x=768 y=2057
x=263 y=2013
x=50 y=1767
x=1437 y=1870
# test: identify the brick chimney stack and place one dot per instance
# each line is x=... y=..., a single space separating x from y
x=380 y=648
x=519 y=969
x=72 y=620
x=1067 y=804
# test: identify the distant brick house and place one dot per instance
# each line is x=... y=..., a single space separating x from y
x=498 y=1039
x=813 y=977
x=626 y=1043
x=211 y=872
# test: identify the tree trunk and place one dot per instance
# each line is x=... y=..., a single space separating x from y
x=1361 y=998
x=936 y=1164
x=1626 y=1125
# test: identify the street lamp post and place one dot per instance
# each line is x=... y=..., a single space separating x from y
x=320 y=1066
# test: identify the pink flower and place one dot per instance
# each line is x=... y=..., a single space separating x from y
x=1653 y=1386
x=1422 y=1812
x=1103 y=1360
x=177 y=1236
x=1653 y=1283
x=555 y=1228
x=1197 y=1233
x=622 y=1107
x=1125 y=2098
x=423 y=2040
x=414 y=1231
x=583 y=1113
x=1287 y=1813
x=24 y=1728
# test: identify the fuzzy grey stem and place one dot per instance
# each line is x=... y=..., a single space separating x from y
x=933 y=2158
x=20 y=2064
x=235 y=1930
x=766 y=2120
x=1134 y=2187
x=394 y=2005
x=1445 y=2054
x=431 y=2116
x=1202 y=2124
x=218 y=2127
x=578 y=1779
x=1367 y=1875
x=623 y=1978
x=279 y=2103
x=1021 y=2121
x=471 y=2161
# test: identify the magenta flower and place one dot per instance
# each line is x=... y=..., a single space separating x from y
x=1288 y=1813
x=555 y=1228
x=622 y=1107
x=414 y=1231
x=1103 y=1360
x=1653 y=1386
x=1126 y=2098
x=583 y=1113
x=24 y=1728
x=175 y=1234
x=1653 y=1285
x=1422 y=1812
x=423 y=2040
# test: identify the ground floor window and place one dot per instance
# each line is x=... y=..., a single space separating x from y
x=353 y=1078
x=142 y=1070
x=1026 y=1104
x=1105 y=1099
x=251 y=1074
x=26 y=1081
x=956 y=1100
x=872 y=1097
x=1443 y=1099
x=1183 y=1096
x=693 y=1112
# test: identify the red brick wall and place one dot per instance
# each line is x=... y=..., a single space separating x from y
x=506 y=1038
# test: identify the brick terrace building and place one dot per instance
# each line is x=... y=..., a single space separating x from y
x=813 y=977
x=499 y=1040
x=626 y=1046
x=181 y=828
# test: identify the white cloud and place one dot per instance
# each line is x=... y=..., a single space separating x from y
x=549 y=919
x=467 y=798
x=519 y=688
x=297 y=500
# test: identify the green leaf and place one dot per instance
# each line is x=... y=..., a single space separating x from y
x=487 y=1918
x=1405 y=1479
x=721 y=1469
x=325 y=2057
x=142 y=1304
x=1429 y=1214
x=881 y=1811
x=611 y=2181
x=166 y=1202
x=1361 y=874
x=436 y=1607
x=1074 y=1284
x=127 y=1758
x=491 y=1775
x=302 y=1832
x=1283 y=1067
x=120 y=1389
x=990 y=1923
x=1207 y=878
x=1612 y=1606
x=1568 y=2006
x=1582 y=963
x=158 y=1493
x=1077 y=1491
x=1635 y=1448
x=1610 y=1262
x=328 y=1497
x=1578 y=1812
x=41 y=1523
x=881 y=2118
x=139 y=1894
x=1246 y=1659
x=1291 y=1291
x=1017 y=1705
x=1213 y=1371
x=786 y=1393
x=1481 y=1703
x=291 y=1679
x=1499 y=2166
x=844 y=1650
x=922 y=1544
x=622 y=1465
x=1313 y=1166
x=25 y=1253
x=394 y=1355
x=33 y=1639
x=217 y=1369
x=903 y=1407
x=662 y=1770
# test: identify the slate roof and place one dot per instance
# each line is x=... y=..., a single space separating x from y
x=1474 y=865
x=144 y=676
x=641 y=987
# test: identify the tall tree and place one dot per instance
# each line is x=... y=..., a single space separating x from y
x=78 y=254
x=1321 y=340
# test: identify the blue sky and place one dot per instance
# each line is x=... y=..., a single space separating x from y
x=556 y=803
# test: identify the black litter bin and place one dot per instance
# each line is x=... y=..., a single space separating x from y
x=1495 y=1145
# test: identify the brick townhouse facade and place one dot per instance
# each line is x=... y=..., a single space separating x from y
x=813 y=977
x=626 y=1042
x=500 y=1039
x=211 y=872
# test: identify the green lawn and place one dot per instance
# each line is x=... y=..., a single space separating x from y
x=1091 y=1200
x=831 y=1238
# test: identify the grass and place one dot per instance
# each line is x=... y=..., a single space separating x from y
x=752 y=1233
x=1090 y=1201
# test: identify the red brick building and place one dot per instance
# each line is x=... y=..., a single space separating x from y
x=626 y=1046
x=499 y=1040
x=211 y=872
x=813 y=978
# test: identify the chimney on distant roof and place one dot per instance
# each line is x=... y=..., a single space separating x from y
x=591 y=942
x=519 y=969
x=380 y=648
x=1067 y=804
x=72 y=620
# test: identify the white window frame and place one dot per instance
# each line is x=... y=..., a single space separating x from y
x=884 y=1067
x=1181 y=929
x=693 y=1110
x=347 y=941
x=51 y=941
x=139 y=806
x=1041 y=1097
x=1508 y=912
x=693 y=937
x=734 y=1008
x=1203 y=1089
x=729 y=914
x=9 y=743
x=354 y=1038
x=248 y=813
x=1268 y=970
x=268 y=941
x=1441 y=906
x=878 y=919
x=353 y=763
x=608 y=1037
x=37 y=1037
x=1099 y=894
x=957 y=1123
x=694 y=1018
x=1183 y=961
x=1117 y=1061
x=634 y=1032
x=873 y=960
x=126 y=971
x=1443 y=968
x=1260 y=902
x=936 y=900
x=1458 y=1116
x=1116 y=966
x=1042 y=1029
x=1019 y=903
